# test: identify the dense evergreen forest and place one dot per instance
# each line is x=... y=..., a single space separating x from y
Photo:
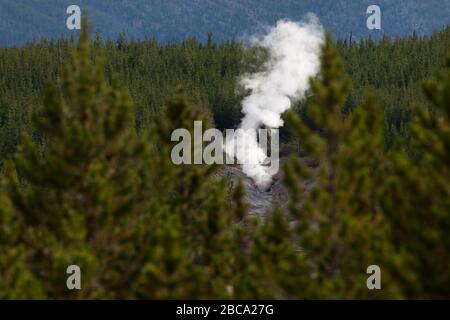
x=393 y=69
x=87 y=177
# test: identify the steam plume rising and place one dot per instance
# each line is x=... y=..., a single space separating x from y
x=294 y=50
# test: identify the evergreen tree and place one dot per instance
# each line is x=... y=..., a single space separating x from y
x=78 y=203
x=340 y=229
x=419 y=199
x=86 y=188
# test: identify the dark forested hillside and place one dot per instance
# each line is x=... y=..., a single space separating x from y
x=173 y=20
x=393 y=69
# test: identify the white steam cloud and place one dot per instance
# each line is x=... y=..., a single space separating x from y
x=294 y=51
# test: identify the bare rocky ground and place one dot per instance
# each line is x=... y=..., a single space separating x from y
x=261 y=202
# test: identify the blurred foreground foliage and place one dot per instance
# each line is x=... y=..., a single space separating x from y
x=94 y=193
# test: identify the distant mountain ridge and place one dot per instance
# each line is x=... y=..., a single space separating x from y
x=23 y=21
